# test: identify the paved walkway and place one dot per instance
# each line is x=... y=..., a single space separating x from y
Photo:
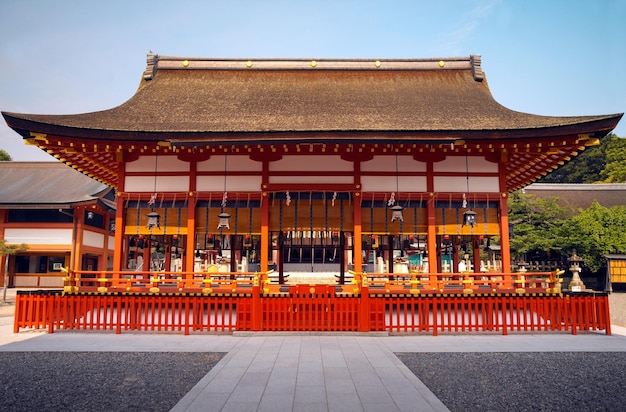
x=307 y=372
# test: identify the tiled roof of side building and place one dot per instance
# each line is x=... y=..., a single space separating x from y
x=579 y=195
x=222 y=99
x=46 y=185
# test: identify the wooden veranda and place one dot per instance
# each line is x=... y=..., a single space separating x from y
x=252 y=302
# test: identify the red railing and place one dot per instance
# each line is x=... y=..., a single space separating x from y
x=504 y=314
x=161 y=282
x=116 y=312
x=312 y=308
x=242 y=282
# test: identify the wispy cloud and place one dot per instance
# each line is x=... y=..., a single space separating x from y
x=453 y=42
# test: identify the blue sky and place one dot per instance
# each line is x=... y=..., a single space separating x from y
x=549 y=57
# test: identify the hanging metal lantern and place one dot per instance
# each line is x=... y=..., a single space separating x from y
x=224 y=221
x=469 y=218
x=153 y=220
x=396 y=213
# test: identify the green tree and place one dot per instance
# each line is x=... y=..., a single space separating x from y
x=615 y=169
x=536 y=223
x=6 y=250
x=595 y=232
x=584 y=168
x=603 y=163
x=4 y=156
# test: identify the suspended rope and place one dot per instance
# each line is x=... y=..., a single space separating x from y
x=280 y=217
x=138 y=214
x=236 y=212
x=295 y=214
x=311 y=217
x=165 y=221
x=249 y=217
x=326 y=211
x=415 y=220
x=372 y=214
x=485 y=216
x=341 y=215
x=443 y=220
x=387 y=213
x=206 y=222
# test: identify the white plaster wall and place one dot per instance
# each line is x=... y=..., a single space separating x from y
x=457 y=164
x=38 y=236
x=233 y=163
x=163 y=184
x=310 y=164
x=459 y=184
x=233 y=183
x=313 y=179
x=163 y=164
x=388 y=164
x=93 y=239
x=388 y=183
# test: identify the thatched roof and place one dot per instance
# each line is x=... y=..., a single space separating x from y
x=437 y=106
x=271 y=100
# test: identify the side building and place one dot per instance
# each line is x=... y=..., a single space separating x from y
x=65 y=219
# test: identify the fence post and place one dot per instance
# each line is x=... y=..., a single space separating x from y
x=51 y=303
x=18 y=317
x=257 y=307
x=364 y=307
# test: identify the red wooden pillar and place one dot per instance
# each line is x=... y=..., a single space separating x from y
x=79 y=227
x=505 y=247
x=358 y=234
x=120 y=222
x=191 y=234
x=431 y=241
x=190 y=247
x=265 y=233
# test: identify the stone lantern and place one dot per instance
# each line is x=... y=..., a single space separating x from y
x=576 y=284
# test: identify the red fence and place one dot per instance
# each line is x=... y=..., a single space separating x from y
x=312 y=308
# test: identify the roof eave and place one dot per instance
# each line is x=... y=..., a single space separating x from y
x=595 y=126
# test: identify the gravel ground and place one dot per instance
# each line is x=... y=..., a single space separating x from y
x=131 y=381
x=529 y=381
x=99 y=381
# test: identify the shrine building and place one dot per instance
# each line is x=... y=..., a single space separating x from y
x=312 y=169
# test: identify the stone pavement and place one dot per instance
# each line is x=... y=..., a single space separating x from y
x=307 y=372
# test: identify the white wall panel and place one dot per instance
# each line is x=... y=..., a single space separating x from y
x=233 y=183
x=233 y=163
x=388 y=164
x=459 y=184
x=457 y=164
x=38 y=236
x=163 y=184
x=311 y=164
x=163 y=164
x=93 y=239
x=388 y=183
x=312 y=179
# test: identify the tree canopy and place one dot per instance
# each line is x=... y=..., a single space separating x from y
x=545 y=230
x=5 y=156
x=603 y=163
